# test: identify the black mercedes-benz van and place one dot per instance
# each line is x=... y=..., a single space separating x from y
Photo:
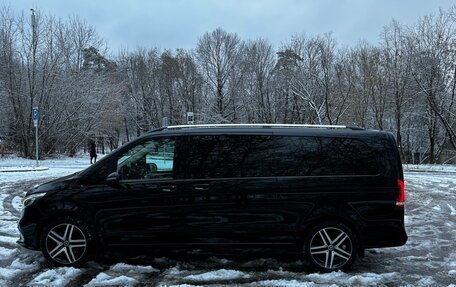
x=328 y=192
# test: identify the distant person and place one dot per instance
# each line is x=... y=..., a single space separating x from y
x=93 y=152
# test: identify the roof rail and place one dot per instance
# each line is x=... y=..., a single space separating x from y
x=261 y=126
x=157 y=129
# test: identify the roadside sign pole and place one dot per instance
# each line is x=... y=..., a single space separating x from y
x=36 y=140
x=35 y=123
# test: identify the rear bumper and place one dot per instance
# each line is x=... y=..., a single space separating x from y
x=384 y=234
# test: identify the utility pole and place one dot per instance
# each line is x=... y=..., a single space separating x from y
x=34 y=109
x=33 y=25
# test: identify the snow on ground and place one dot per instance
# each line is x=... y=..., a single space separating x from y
x=221 y=274
x=56 y=168
x=23 y=168
x=430 y=167
x=121 y=274
x=428 y=258
x=15 y=161
x=55 y=277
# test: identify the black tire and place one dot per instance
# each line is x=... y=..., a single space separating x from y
x=67 y=242
x=331 y=246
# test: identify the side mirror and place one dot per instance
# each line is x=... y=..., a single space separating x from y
x=113 y=180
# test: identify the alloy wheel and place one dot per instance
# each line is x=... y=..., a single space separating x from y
x=331 y=248
x=66 y=243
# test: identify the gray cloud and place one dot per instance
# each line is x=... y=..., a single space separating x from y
x=179 y=23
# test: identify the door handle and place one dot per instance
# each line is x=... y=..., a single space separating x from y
x=168 y=188
x=201 y=187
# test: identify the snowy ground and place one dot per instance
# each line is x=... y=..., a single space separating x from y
x=428 y=259
x=53 y=168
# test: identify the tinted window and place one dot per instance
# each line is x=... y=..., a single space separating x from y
x=263 y=156
x=151 y=159
x=230 y=156
x=386 y=154
x=320 y=156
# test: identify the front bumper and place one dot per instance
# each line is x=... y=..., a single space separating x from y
x=28 y=238
x=28 y=230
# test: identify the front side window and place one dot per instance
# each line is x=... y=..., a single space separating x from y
x=151 y=159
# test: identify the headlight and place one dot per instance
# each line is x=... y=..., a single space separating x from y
x=26 y=201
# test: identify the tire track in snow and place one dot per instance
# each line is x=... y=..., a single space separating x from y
x=31 y=262
x=13 y=191
x=452 y=209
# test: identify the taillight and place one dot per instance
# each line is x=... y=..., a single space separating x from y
x=400 y=193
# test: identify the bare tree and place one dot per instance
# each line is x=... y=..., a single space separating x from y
x=405 y=85
x=218 y=55
x=397 y=63
x=257 y=67
x=189 y=82
x=434 y=71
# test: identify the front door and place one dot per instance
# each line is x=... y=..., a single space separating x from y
x=142 y=209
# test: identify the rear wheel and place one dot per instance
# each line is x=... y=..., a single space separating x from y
x=331 y=246
x=66 y=242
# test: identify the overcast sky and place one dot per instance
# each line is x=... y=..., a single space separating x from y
x=179 y=23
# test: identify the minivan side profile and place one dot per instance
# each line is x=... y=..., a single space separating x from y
x=328 y=192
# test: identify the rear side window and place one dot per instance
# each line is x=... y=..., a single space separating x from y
x=388 y=160
x=321 y=156
x=233 y=156
x=230 y=156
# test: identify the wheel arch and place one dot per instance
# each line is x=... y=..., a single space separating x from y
x=74 y=213
x=333 y=218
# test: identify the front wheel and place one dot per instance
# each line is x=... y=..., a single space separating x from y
x=66 y=242
x=331 y=246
